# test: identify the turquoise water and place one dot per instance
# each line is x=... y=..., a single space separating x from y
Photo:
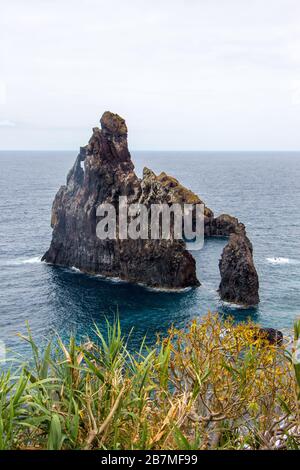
x=261 y=189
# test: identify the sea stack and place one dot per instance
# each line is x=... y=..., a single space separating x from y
x=239 y=279
x=102 y=172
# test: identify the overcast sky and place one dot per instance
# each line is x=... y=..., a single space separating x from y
x=193 y=74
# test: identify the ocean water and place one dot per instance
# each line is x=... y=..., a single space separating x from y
x=261 y=189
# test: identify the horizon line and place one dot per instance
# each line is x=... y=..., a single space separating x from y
x=160 y=150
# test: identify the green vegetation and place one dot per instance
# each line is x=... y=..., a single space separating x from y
x=211 y=386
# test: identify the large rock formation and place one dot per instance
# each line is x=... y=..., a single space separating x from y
x=108 y=174
x=239 y=279
x=102 y=172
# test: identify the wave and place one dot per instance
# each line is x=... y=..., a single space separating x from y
x=118 y=280
x=234 y=306
x=165 y=289
x=21 y=261
x=111 y=279
x=281 y=260
x=76 y=270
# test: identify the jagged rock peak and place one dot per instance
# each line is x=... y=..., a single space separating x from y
x=109 y=174
x=109 y=143
x=169 y=190
x=113 y=124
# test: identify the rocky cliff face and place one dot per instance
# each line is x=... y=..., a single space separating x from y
x=102 y=172
x=107 y=174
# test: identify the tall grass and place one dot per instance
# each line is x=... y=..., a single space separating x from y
x=212 y=386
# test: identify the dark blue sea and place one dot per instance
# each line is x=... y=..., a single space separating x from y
x=261 y=189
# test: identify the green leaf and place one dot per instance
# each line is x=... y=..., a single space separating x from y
x=55 y=438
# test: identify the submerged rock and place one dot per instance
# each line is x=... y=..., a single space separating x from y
x=271 y=335
x=239 y=279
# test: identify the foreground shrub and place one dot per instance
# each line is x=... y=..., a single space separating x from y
x=215 y=385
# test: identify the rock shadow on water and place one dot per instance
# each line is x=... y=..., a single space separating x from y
x=239 y=313
x=82 y=300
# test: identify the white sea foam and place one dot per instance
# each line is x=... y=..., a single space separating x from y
x=233 y=305
x=111 y=279
x=115 y=280
x=73 y=268
x=20 y=261
x=165 y=289
x=118 y=280
x=281 y=260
